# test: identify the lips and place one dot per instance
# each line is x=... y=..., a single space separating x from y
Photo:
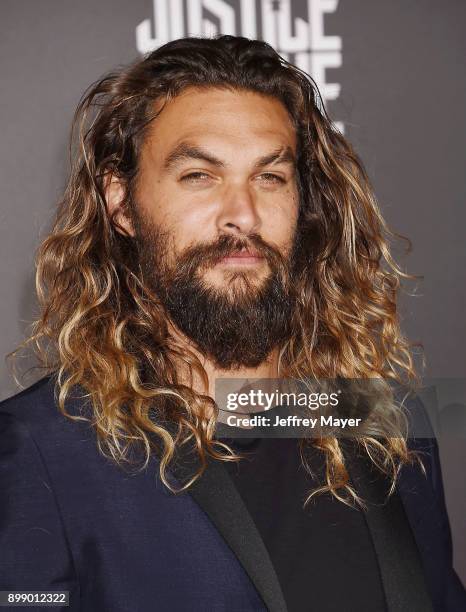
x=243 y=257
x=244 y=253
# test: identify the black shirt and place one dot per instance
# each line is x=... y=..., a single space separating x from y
x=322 y=554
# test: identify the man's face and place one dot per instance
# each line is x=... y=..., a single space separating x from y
x=216 y=207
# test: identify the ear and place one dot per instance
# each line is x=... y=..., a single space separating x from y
x=115 y=191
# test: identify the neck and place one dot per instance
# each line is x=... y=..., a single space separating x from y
x=268 y=369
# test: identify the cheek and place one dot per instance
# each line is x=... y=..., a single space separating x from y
x=282 y=223
x=192 y=224
x=191 y=219
x=175 y=214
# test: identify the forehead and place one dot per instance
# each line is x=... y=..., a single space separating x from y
x=220 y=119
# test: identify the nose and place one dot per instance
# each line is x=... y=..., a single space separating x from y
x=238 y=213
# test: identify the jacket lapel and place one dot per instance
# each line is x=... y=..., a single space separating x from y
x=398 y=556
x=216 y=494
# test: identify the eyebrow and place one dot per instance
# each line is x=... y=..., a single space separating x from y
x=185 y=151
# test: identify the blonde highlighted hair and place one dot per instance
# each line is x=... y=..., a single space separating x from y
x=101 y=329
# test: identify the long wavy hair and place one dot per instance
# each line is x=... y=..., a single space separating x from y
x=101 y=329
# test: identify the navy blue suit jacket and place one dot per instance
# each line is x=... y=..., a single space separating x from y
x=119 y=541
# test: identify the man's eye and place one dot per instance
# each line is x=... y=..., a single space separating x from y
x=195 y=177
x=268 y=177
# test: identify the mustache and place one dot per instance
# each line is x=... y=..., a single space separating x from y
x=207 y=255
x=200 y=257
x=204 y=255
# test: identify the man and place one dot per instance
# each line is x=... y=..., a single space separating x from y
x=215 y=225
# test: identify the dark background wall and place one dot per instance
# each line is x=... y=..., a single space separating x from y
x=397 y=87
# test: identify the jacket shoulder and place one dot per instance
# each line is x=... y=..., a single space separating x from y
x=37 y=409
x=41 y=390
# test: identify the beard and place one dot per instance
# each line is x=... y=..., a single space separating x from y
x=236 y=324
